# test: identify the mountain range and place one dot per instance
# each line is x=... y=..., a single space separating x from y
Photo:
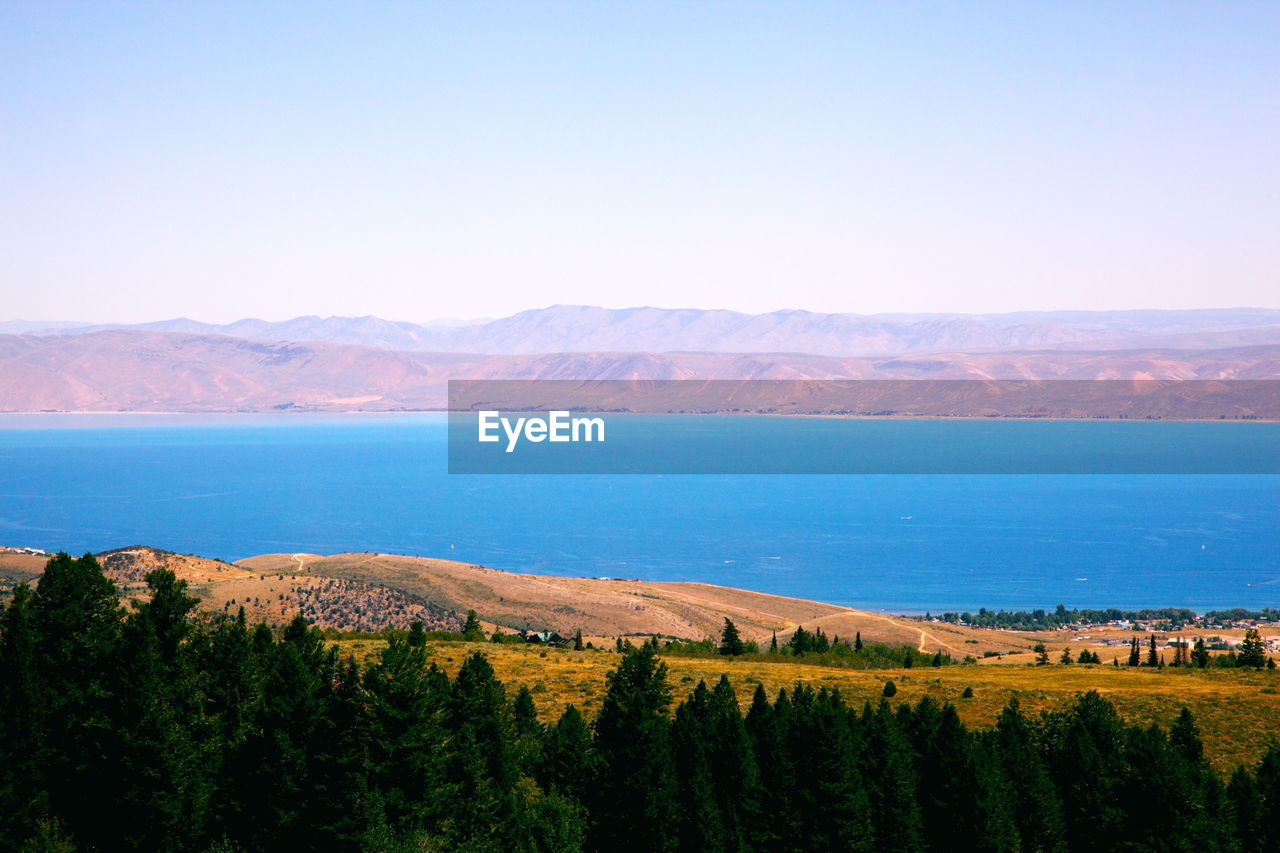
x=128 y=370
x=368 y=363
x=582 y=328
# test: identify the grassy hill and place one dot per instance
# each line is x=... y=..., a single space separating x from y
x=338 y=603
x=610 y=608
x=372 y=591
x=128 y=567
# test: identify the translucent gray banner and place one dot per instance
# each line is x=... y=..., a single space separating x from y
x=867 y=427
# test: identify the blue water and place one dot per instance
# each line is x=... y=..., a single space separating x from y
x=233 y=486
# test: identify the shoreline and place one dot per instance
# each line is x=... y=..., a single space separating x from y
x=906 y=611
x=731 y=414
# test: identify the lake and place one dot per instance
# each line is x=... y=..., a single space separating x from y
x=237 y=485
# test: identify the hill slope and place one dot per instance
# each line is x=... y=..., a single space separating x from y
x=607 y=608
x=337 y=603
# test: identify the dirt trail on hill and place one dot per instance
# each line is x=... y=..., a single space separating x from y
x=720 y=605
x=924 y=635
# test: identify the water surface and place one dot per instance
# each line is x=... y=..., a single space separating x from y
x=234 y=486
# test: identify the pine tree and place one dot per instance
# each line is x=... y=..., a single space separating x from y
x=888 y=766
x=734 y=772
x=290 y=732
x=634 y=795
x=76 y=615
x=524 y=713
x=1252 y=650
x=1153 y=657
x=1185 y=737
x=762 y=729
x=417 y=635
x=1268 y=782
x=1042 y=654
x=730 y=641
x=831 y=806
x=1037 y=811
x=1200 y=653
x=1066 y=657
x=406 y=702
x=568 y=764
x=230 y=678
x=801 y=641
x=1144 y=755
x=482 y=762
x=773 y=643
x=1084 y=754
x=577 y=640
x=965 y=806
x=1135 y=656
x=471 y=630
x=23 y=725
x=342 y=810
x=699 y=825
x=773 y=828
x=161 y=790
x=857 y=641
x=1245 y=807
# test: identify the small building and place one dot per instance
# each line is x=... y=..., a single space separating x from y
x=548 y=638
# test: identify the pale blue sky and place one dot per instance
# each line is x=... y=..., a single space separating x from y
x=426 y=160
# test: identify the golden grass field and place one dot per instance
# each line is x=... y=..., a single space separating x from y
x=1238 y=712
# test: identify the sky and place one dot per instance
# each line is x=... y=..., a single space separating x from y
x=420 y=161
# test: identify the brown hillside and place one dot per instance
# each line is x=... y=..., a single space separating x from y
x=17 y=566
x=337 y=603
x=608 y=608
x=128 y=567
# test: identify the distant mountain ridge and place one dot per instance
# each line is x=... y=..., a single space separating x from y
x=132 y=371
x=581 y=328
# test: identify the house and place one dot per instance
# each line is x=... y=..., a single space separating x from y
x=549 y=638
